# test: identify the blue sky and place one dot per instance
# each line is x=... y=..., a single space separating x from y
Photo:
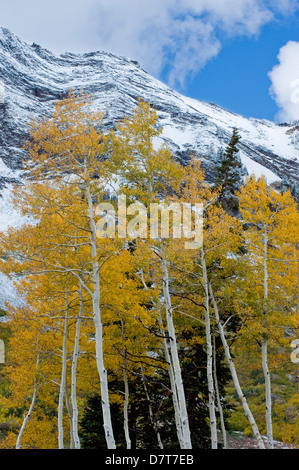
x=220 y=51
x=237 y=79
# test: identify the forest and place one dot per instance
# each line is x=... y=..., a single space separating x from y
x=136 y=341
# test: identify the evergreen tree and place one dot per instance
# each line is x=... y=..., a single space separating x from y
x=229 y=172
x=91 y=425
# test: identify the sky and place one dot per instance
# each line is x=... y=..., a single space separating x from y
x=240 y=54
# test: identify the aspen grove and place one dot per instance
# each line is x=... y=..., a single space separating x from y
x=137 y=341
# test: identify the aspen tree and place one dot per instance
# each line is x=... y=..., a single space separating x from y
x=232 y=367
x=210 y=375
x=221 y=240
x=218 y=398
x=183 y=414
x=29 y=368
x=74 y=429
x=271 y=239
x=196 y=190
x=120 y=296
x=28 y=415
x=62 y=391
x=147 y=176
x=67 y=148
x=153 y=421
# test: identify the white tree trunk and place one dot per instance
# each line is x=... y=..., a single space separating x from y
x=186 y=438
x=170 y=374
x=28 y=415
x=268 y=395
x=126 y=406
x=175 y=399
x=211 y=390
x=70 y=415
x=233 y=371
x=74 y=374
x=126 y=398
x=265 y=352
x=218 y=400
x=151 y=414
x=99 y=327
x=63 y=377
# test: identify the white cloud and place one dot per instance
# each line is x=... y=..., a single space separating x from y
x=285 y=82
x=179 y=36
x=58 y=25
x=182 y=35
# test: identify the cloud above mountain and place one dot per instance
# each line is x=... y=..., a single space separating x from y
x=174 y=37
x=285 y=82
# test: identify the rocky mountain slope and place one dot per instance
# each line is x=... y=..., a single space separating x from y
x=33 y=78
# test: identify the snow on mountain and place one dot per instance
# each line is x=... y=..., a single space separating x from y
x=34 y=78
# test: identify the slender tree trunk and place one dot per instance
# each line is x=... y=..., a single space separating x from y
x=70 y=415
x=126 y=400
x=28 y=415
x=186 y=438
x=170 y=374
x=99 y=327
x=126 y=405
x=175 y=399
x=74 y=374
x=233 y=371
x=218 y=400
x=265 y=351
x=151 y=414
x=63 y=376
x=268 y=394
x=211 y=389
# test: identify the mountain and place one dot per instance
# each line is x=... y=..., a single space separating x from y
x=33 y=78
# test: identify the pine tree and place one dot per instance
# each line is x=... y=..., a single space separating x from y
x=228 y=178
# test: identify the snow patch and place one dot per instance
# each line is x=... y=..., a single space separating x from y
x=258 y=170
x=9 y=216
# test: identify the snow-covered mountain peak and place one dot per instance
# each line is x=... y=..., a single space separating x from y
x=34 y=78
